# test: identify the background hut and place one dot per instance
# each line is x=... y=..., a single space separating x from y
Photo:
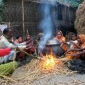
x=63 y=13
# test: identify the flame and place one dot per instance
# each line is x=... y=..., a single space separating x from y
x=48 y=62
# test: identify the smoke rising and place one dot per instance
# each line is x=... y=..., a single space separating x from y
x=46 y=25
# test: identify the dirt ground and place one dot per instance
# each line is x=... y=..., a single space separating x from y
x=31 y=74
x=54 y=79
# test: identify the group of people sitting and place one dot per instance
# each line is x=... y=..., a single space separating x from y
x=74 y=48
x=10 y=48
x=13 y=50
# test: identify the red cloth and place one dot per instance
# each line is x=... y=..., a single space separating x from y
x=20 y=55
x=4 y=52
x=30 y=51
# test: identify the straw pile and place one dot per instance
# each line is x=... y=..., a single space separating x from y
x=25 y=75
x=80 y=19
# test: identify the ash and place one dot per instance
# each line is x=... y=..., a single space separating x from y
x=76 y=65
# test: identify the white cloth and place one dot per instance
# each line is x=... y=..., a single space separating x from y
x=24 y=43
x=2 y=27
x=21 y=45
x=5 y=43
x=71 y=45
x=8 y=57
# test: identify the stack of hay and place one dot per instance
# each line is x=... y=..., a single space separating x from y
x=33 y=71
x=80 y=19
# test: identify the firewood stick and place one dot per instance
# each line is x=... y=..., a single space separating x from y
x=41 y=58
x=30 y=55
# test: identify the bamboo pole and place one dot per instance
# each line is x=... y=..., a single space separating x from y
x=30 y=55
x=23 y=26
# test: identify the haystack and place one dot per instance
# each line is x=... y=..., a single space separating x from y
x=80 y=18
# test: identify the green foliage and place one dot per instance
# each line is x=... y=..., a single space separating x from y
x=71 y=3
x=1 y=9
x=75 y=3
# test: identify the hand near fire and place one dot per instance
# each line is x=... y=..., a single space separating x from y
x=13 y=47
x=68 y=50
x=73 y=55
x=77 y=45
x=72 y=49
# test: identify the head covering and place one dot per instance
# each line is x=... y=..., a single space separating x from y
x=82 y=38
x=39 y=36
x=60 y=32
x=62 y=37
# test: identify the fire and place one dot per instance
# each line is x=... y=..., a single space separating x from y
x=48 y=62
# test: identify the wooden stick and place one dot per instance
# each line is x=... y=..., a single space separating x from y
x=23 y=18
x=30 y=55
x=41 y=58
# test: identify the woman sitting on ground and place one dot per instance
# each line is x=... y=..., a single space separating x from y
x=61 y=39
x=59 y=36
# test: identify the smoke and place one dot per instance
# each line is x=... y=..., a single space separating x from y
x=0 y=1
x=46 y=25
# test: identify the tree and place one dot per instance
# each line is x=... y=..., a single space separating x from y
x=1 y=9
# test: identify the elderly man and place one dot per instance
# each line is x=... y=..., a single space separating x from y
x=7 y=41
x=4 y=43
